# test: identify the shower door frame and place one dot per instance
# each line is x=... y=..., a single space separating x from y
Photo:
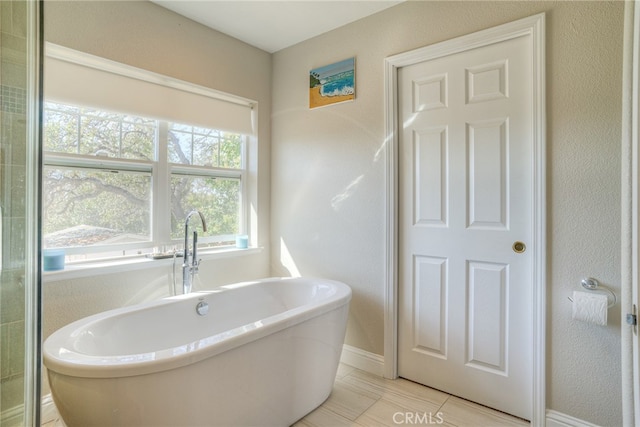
x=33 y=173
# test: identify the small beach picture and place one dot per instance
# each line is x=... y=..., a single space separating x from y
x=332 y=83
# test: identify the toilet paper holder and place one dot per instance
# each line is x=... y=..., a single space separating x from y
x=592 y=284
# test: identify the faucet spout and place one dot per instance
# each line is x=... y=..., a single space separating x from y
x=189 y=270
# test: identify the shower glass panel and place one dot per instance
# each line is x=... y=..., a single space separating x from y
x=20 y=48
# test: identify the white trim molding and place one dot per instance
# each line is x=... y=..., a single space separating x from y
x=363 y=360
x=533 y=27
x=629 y=211
x=558 y=419
x=48 y=410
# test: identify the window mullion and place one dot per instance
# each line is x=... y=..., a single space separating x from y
x=206 y=171
x=79 y=133
x=95 y=162
x=161 y=209
x=244 y=225
x=121 y=135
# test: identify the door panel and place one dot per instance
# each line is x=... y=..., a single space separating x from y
x=487 y=327
x=430 y=306
x=488 y=174
x=430 y=148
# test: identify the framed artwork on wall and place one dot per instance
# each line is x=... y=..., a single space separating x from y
x=332 y=83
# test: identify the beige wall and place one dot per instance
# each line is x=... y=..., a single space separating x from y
x=328 y=174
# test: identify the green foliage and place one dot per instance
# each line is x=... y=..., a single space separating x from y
x=98 y=133
x=218 y=199
x=314 y=80
x=120 y=201
x=204 y=147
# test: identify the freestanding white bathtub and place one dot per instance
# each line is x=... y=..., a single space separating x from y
x=265 y=354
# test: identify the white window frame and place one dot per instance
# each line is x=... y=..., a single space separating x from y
x=160 y=169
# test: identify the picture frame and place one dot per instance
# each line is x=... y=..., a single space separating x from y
x=332 y=84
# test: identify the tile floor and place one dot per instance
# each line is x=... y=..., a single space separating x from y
x=360 y=399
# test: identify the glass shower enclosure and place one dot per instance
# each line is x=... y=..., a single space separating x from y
x=20 y=53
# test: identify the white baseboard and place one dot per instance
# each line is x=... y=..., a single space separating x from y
x=48 y=411
x=364 y=360
x=558 y=419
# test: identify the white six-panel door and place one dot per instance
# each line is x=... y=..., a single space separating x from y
x=465 y=225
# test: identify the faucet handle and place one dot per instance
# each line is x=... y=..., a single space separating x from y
x=194 y=252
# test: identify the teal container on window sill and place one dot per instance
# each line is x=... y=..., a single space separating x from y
x=242 y=242
x=53 y=260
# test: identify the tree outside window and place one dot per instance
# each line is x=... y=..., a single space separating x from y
x=107 y=176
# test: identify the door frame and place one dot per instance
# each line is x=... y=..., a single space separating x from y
x=534 y=27
x=630 y=235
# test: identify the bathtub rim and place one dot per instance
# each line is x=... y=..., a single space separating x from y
x=88 y=366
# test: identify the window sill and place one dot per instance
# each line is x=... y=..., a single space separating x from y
x=91 y=269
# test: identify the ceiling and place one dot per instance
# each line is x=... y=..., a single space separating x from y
x=272 y=25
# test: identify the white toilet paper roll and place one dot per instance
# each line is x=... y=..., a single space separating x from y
x=590 y=307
